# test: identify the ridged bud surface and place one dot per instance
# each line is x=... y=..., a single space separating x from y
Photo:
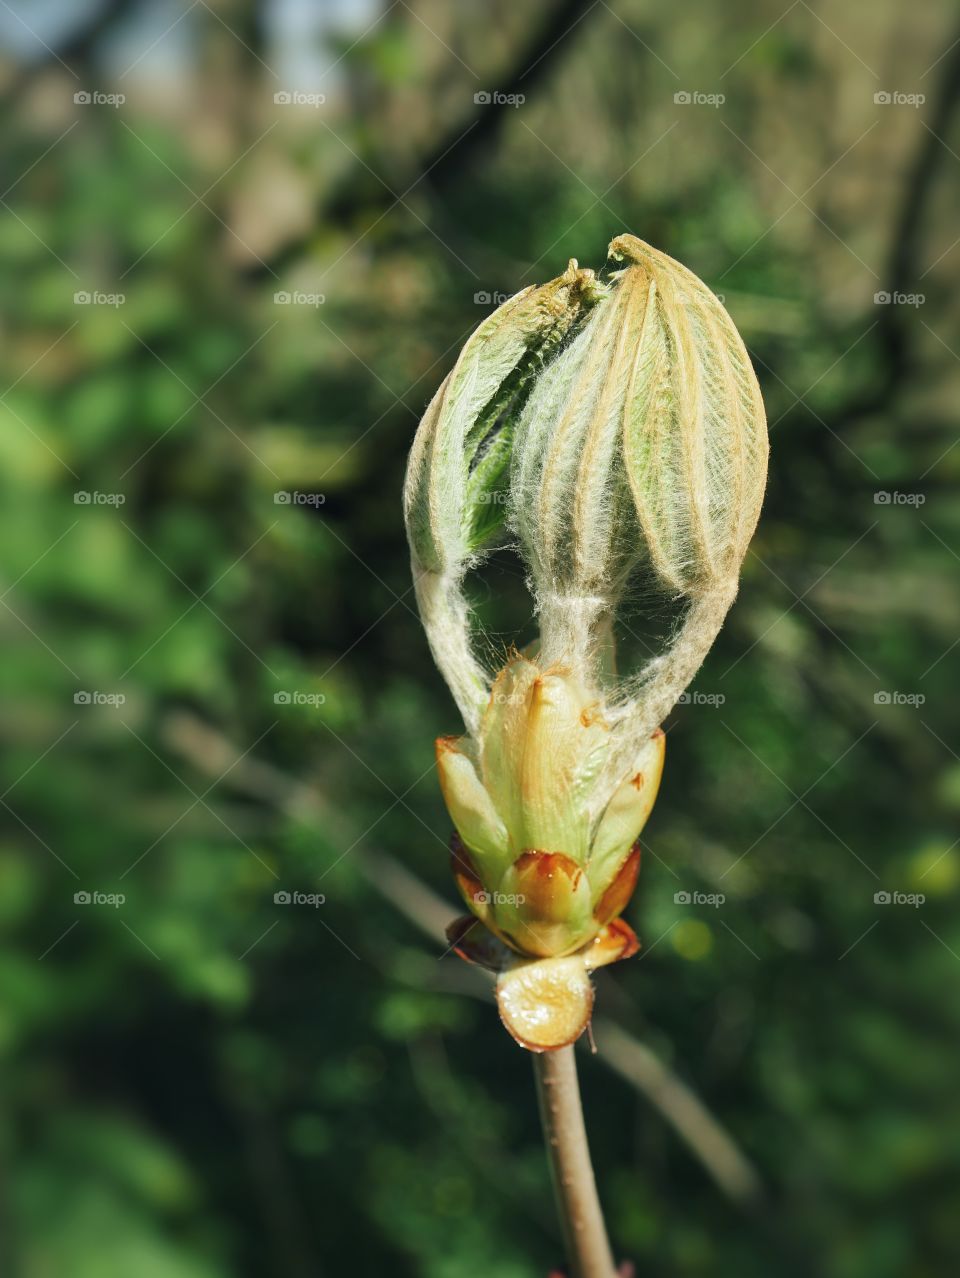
x=614 y=433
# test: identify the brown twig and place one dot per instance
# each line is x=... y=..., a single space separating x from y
x=578 y=1205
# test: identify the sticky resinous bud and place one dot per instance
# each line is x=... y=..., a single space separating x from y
x=613 y=433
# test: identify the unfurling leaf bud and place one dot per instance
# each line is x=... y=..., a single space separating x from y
x=613 y=432
x=459 y=466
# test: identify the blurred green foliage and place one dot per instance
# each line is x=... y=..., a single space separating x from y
x=200 y=1082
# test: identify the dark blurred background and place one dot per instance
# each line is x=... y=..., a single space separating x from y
x=241 y=244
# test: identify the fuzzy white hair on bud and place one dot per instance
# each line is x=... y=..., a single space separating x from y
x=606 y=429
x=458 y=472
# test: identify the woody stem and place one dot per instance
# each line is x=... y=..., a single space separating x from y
x=578 y=1205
